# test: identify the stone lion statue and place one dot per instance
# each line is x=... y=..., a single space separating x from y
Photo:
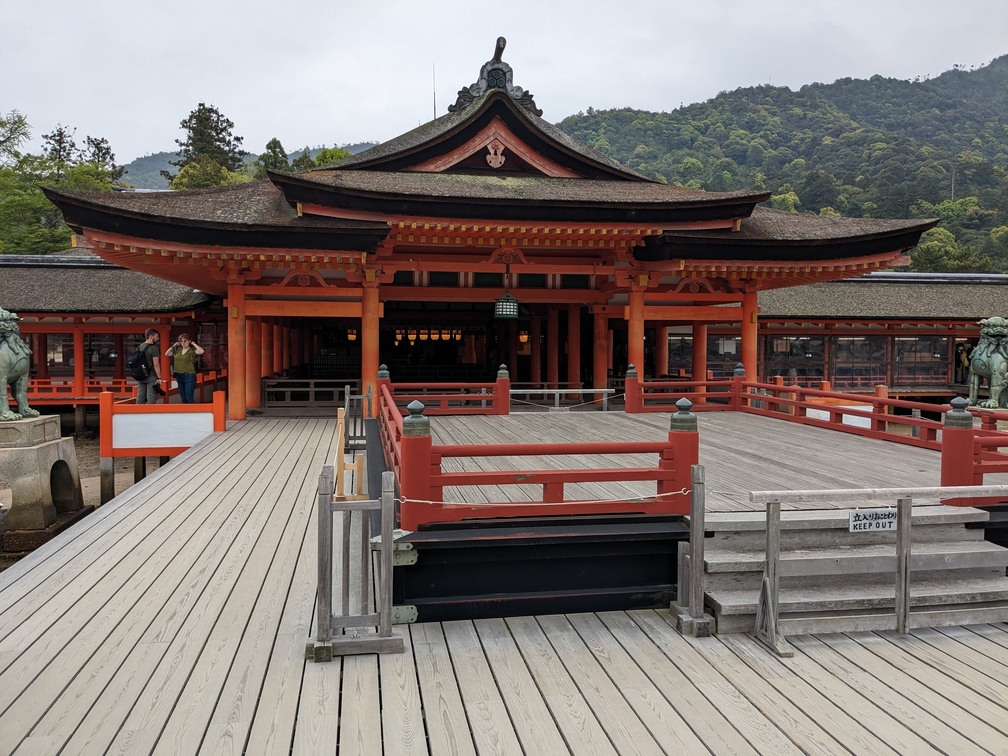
x=989 y=359
x=15 y=360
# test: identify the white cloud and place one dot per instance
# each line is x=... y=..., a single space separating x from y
x=311 y=72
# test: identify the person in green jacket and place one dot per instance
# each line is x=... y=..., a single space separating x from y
x=184 y=353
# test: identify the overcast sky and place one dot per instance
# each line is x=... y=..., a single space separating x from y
x=333 y=72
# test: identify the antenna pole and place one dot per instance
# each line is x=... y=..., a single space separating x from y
x=434 y=85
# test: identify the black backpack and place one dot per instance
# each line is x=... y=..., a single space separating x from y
x=137 y=363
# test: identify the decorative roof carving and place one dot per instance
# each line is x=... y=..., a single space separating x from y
x=495 y=74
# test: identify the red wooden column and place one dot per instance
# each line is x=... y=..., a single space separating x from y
x=512 y=357
x=750 y=326
x=535 y=343
x=369 y=338
x=118 y=367
x=635 y=332
x=285 y=334
x=700 y=357
x=42 y=354
x=600 y=353
x=553 y=347
x=79 y=359
x=253 y=363
x=661 y=351
x=236 y=350
x=277 y=348
x=266 y=356
x=574 y=344
x=166 y=375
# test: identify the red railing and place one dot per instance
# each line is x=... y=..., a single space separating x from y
x=390 y=426
x=64 y=390
x=455 y=398
x=869 y=416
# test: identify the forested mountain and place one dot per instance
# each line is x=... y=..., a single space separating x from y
x=875 y=148
x=145 y=172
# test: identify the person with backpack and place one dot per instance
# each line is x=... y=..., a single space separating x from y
x=184 y=353
x=149 y=366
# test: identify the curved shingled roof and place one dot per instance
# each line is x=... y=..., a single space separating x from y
x=775 y=234
x=444 y=127
x=85 y=283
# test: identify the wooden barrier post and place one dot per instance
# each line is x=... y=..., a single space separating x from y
x=383 y=380
x=682 y=453
x=106 y=463
x=502 y=392
x=631 y=390
x=880 y=408
x=323 y=619
x=738 y=376
x=957 y=449
x=414 y=480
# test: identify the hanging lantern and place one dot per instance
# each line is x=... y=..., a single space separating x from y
x=423 y=334
x=411 y=335
x=506 y=307
x=351 y=334
x=523 y=337
x=435 y=334
x=398 y=334
x=457 y=334
x=445 y=334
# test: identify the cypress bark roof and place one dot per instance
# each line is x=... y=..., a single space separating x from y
x=891 y=296
x=85 y=283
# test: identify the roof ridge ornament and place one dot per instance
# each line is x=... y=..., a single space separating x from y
x=495 y=74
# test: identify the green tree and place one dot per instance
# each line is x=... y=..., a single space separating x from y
x=330 y=155
x=939 y=252
x=204 y=172
x=29 y=223
x=14 y=131
x=60 y=149
x=303 y=162
x=208 y=134
x=273 y=158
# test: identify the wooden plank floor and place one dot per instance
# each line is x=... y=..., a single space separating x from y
x=174 y=619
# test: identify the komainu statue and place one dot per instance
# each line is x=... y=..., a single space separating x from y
x=15 y=360
x=989 y=359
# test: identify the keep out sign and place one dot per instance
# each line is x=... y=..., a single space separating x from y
x=862 y=520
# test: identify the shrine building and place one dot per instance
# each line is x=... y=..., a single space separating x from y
x=487 y=236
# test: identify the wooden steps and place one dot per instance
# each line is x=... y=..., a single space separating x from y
x=832 y=580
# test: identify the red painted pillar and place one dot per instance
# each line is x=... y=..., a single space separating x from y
x=80 y=359
x=600 y=353
x=750 y=329
x=635 y=332
x=166 y=375
x=553 y=347
x=253 y=363
x=119 y=365
x=277 y=349
x=574 y=345
x=535 y=343
x=700 y=358
x=661 y=352
x=266 y=361
x=285 y=330
x=957 y=451
x=236 y=350
x=42 y=354
x=369 y=337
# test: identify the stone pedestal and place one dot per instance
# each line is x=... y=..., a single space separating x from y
x=40 y=468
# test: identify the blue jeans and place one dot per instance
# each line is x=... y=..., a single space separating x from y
x=186 y=386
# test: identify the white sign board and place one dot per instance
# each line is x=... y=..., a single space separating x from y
x=865 y=520
x=160 y=430
x=858 y=421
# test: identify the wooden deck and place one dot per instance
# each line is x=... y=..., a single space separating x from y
x=174 y=620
